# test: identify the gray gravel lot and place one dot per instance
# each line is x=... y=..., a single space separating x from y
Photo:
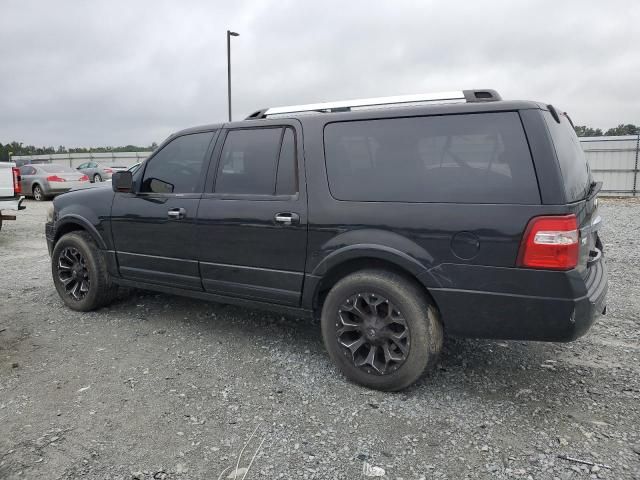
x=158 y=386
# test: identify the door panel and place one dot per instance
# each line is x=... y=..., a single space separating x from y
x=150 y=245
x=244 y=251
x=154 y=228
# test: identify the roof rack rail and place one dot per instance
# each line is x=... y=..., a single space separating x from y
x=460 y=96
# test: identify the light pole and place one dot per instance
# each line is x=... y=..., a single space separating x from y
x=229 y=35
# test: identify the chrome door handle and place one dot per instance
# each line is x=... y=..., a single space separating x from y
x=287 y=218
x=177 y=213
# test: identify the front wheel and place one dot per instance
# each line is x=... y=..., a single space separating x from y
x=380 y=329
x=80 y=273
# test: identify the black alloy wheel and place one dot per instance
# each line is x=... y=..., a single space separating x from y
x=373 y=333
x=380 y=329
x=73 y=273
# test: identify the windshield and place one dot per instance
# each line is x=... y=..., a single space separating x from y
x=573 y=163
x=55 y=168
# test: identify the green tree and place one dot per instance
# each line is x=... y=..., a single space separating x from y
x=584 y=131
x=621 y=129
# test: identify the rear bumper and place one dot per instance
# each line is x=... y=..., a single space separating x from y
x=56 y=190
x=12 y=204
x=561 y=308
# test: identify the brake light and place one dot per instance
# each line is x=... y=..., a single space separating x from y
x=108 y=170
x=550 y=242
x=17 y=186
x=55 y=178
x=84 y=178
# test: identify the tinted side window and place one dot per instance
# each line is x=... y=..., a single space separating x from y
x=26 y=170
x=179 y=167
x=248 y=161
x=286 y=181
x=573 y=163
x=474 y=158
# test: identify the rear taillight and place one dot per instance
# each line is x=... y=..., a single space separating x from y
x=550 y=242
x=84 y=178
x=55 y=178
x=108 y=170
x=17 y=179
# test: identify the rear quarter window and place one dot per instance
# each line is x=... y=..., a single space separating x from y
x=472 y=158
x=573 y=164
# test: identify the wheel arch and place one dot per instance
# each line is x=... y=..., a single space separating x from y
x=71 y=224
x=332 y=270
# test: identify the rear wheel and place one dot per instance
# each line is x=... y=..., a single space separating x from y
x=38 y=193
x=80 y=273
x=380 y=329
x=97 y=178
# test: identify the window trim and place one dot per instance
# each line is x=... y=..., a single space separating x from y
x=140 y=173
x=295 y=164
x=210 y=188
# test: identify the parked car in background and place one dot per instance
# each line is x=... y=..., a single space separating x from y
x=10 y=190
x=107 y=183
x=48 y=179
x=457 y=212
x=97 y=172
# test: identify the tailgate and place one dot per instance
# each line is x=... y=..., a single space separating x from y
x=6 y=179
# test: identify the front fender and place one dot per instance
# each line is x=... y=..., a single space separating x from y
x=89 y=208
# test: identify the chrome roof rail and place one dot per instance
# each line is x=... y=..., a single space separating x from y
x=459 y=96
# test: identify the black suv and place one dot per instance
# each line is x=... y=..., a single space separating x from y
x=390 y=219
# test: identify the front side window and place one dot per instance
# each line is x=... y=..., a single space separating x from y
x=257 y=161
x=179 y=167
x=473 y=158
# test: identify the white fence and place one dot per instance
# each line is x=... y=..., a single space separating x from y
x=613 y=160
x=115 y=159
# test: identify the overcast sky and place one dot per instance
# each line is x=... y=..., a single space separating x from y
x=95 y=73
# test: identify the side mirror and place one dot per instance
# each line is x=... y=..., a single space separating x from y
x=122 y=181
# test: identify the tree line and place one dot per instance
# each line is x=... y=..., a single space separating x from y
x=18 y=148
x=629 y=129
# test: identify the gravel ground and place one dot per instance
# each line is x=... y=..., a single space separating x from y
x=158 y=386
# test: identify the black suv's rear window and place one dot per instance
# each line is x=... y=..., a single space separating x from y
x=573 y=163
x=474 y=158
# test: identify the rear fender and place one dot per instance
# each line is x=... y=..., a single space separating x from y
x=389 y=247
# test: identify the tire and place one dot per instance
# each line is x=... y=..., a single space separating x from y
x=38 y=193
x=403 y=312
x=78 y=251
x=97 y=178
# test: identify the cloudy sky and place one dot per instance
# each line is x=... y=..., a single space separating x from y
x=93 y=73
